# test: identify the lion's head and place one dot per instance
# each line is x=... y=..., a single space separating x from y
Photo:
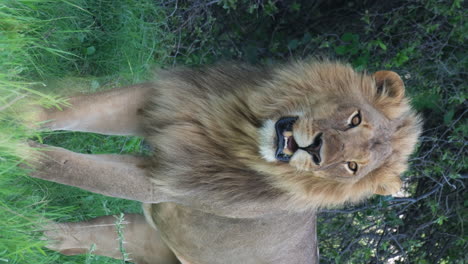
x=310 y=134
x=333 y=135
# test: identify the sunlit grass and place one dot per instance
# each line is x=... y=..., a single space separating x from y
x=43 y=43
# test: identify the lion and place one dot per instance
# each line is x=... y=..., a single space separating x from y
x=242 y=159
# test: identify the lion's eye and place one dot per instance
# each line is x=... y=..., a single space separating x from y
x=352 y=166
x=355 y=119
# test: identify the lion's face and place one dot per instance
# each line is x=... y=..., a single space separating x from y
x=348 y=129
x=345 y=143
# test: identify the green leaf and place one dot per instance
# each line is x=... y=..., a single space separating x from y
x=293 y=44
x=441 y=219
x=353 y=50
x=456 y=4
x=341 y=50
x=400 y=59
x=426 y=100
x=448 y=117
x=90 y=50
x=350 y=37
x=306 y=38
x=295 y=7
x=381 y=45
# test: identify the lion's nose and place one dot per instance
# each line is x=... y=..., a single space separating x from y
x=314 y=149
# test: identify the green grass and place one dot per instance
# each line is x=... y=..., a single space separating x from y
x=58 y=47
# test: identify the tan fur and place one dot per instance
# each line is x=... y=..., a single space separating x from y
x=215 y=191
x=207 y=129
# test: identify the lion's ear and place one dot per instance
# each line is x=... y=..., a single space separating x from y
x=389 y=187
x=390 y=84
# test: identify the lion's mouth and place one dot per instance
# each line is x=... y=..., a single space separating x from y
x=286 y=145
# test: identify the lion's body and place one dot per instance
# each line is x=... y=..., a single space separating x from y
x=243 y=156
x=199 y=237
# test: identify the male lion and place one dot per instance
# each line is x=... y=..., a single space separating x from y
x=243 y=157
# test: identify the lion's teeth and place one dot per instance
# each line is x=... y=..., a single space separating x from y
x=287 y=151
x=287 y=133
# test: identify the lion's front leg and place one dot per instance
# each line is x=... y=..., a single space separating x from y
x=143 y=244
x=113 y=112
x=118 y=176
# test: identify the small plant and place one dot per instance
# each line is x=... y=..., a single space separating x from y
x=119 y=225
